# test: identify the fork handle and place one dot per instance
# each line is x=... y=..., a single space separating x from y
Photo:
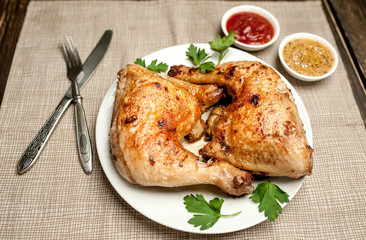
x=82 y=135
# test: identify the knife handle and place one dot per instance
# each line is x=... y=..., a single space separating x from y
x=83 y=138
x=30 y=156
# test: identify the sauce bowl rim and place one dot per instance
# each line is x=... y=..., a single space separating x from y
x=255 y=9
x=311 y=36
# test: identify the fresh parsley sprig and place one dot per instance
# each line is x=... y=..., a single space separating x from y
x=161 y=67
x=209 y=212
x=267 y=194
x=221 y=44
x=198 y=57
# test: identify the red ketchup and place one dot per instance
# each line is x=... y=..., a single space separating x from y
x=250 y=28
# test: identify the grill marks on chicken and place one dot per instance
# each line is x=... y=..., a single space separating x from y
x=151 y=116
x=260 y=130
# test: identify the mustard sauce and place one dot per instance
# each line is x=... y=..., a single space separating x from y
x=308 y=57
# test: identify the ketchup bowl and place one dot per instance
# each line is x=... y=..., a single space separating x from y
x=255 y=28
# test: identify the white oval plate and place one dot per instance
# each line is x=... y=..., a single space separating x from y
x=165 y=205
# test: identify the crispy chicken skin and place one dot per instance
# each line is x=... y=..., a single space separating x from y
x=151 y=116
x=260 y=130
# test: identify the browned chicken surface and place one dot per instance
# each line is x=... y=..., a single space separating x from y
x=151 y=116
x=260 y=130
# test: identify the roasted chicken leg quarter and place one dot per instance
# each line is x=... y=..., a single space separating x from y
x=260 y=130
x=151 y=116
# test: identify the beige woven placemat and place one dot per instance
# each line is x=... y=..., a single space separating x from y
x=56 y=200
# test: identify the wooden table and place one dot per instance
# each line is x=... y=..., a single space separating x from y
x=347 y=19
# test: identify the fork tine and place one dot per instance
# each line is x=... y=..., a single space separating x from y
x=75 y=51
x=70 y=50
x=65 y=47
x=66 y=56
x=73 y=62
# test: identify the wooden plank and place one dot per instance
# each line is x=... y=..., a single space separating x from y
x=355 y=74
x=352 y=23
x=12 y=13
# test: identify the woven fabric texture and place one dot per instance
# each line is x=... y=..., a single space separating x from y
x=56 y=200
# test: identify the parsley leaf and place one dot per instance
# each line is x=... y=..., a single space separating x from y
x=140 y=62
x=198 y=57
x=161 y=67
x=209 y=211
x=221 y=45
x=268 y=195
x=207 y=66
x=196 y=54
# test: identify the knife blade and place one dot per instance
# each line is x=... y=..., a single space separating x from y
x=31 y=154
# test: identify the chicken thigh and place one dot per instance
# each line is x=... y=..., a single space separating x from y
x=151 y=116
x=260 y=130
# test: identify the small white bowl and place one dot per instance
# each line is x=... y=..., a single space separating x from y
x=250 y=8
x=313 y=37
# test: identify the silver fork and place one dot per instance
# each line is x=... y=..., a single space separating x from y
x=74 y=72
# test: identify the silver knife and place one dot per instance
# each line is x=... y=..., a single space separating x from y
x=30 y=156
